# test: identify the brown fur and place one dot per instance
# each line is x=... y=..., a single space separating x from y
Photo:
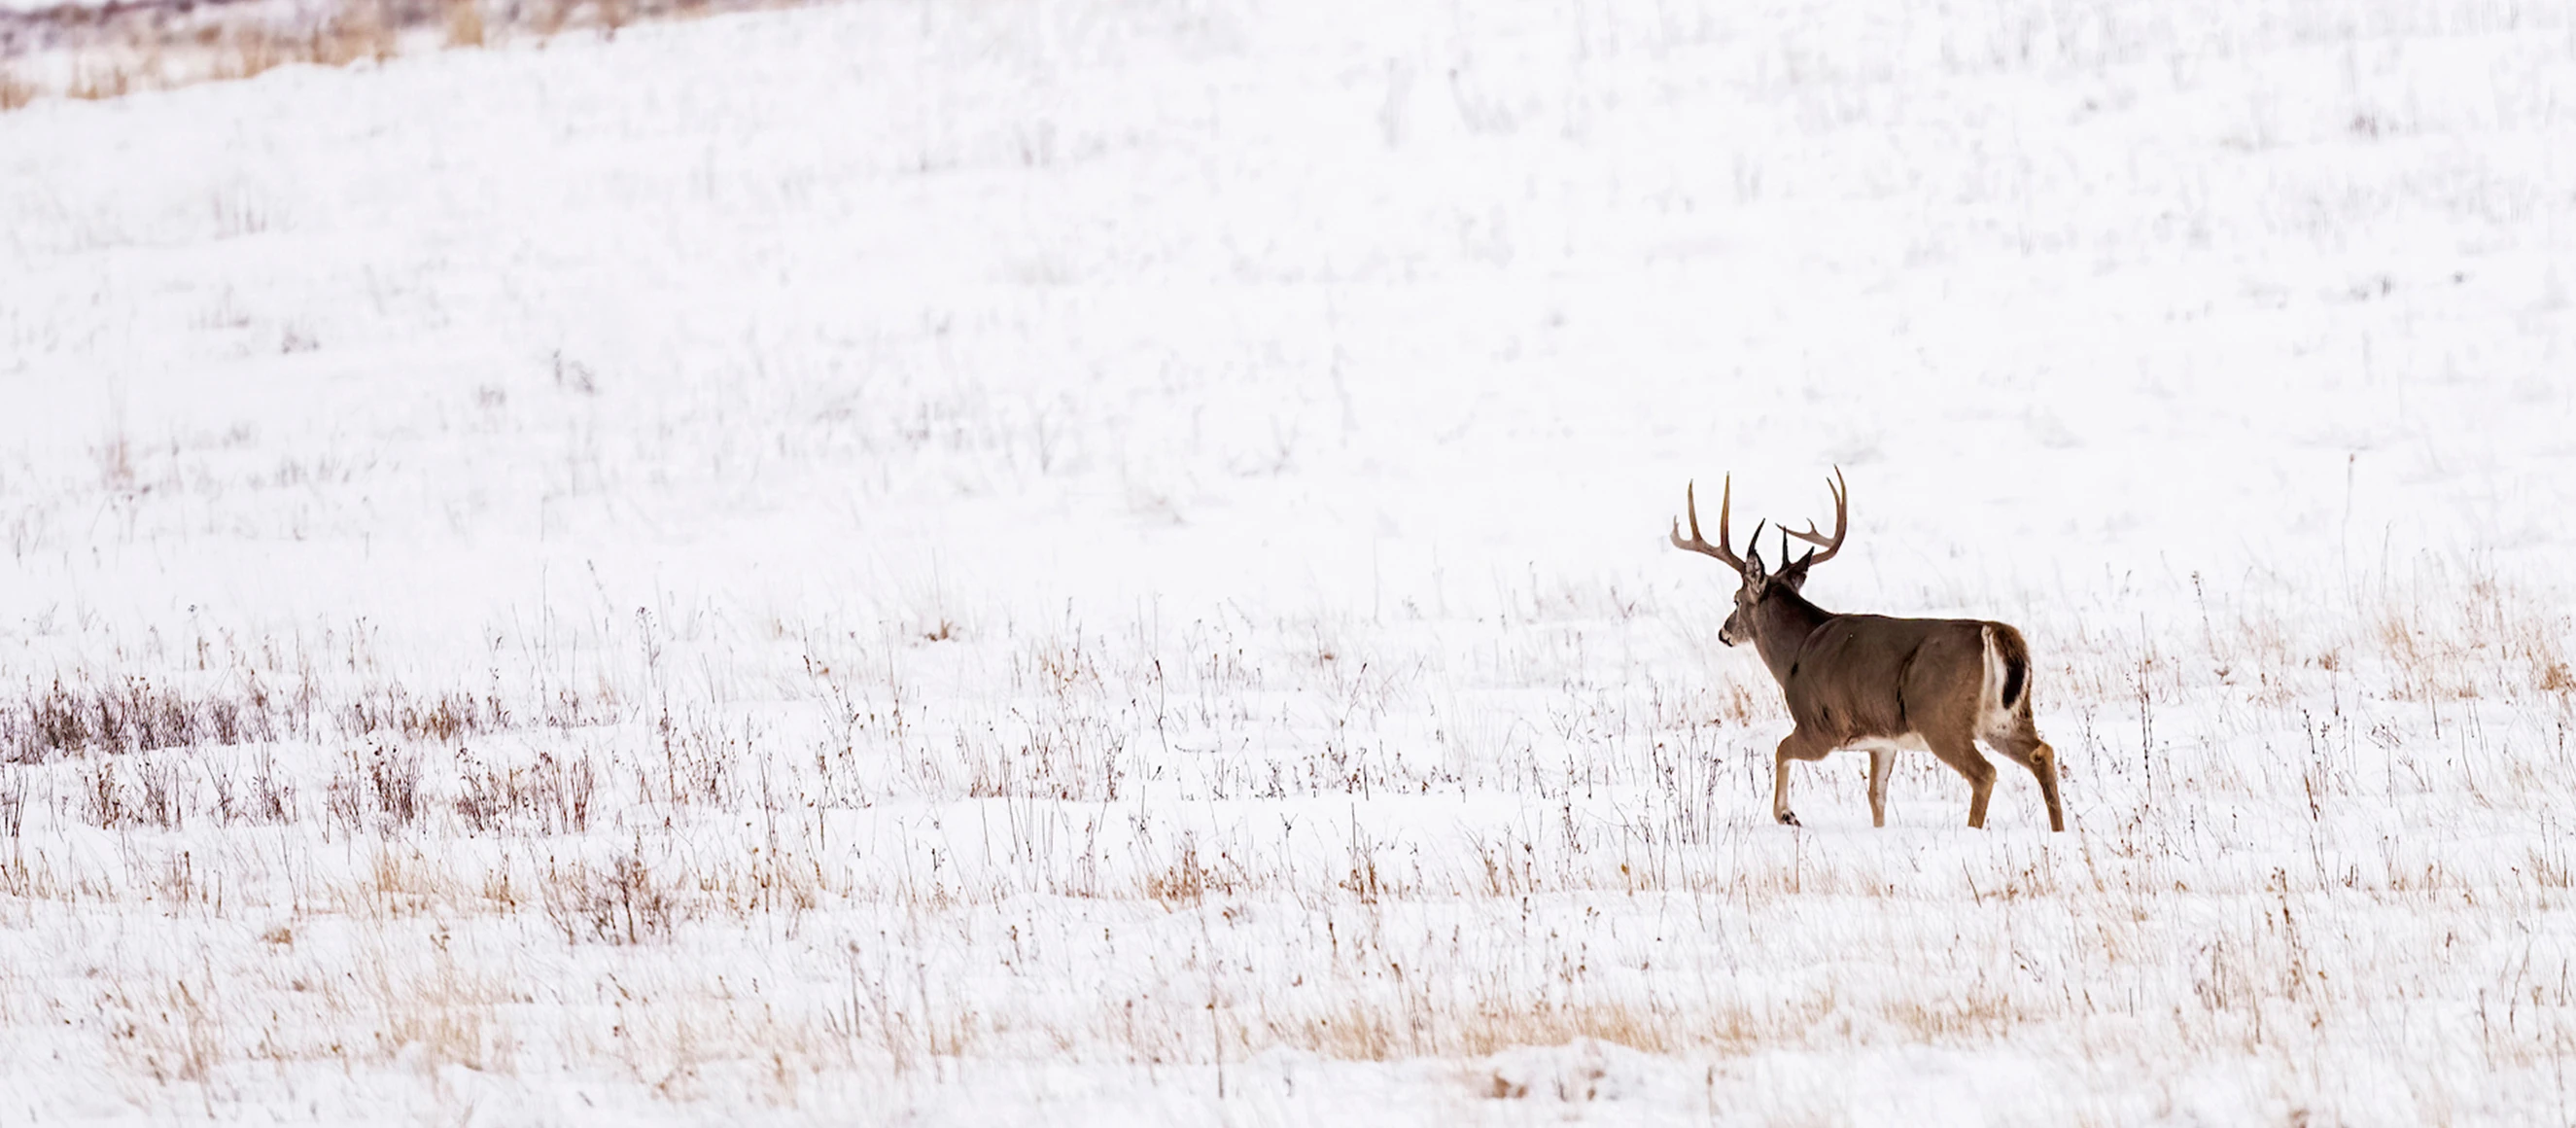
x=1851 y=679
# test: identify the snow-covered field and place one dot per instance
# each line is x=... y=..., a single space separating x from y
x=1103 y=561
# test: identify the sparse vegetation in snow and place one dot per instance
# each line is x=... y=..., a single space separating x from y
x=1105 y=561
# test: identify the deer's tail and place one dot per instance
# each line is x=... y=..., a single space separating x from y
x=2008 y=656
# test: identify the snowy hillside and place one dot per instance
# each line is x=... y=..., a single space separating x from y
x=1103 y=562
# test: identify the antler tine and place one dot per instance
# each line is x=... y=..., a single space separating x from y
x=1842 y=522
x=1699 y=544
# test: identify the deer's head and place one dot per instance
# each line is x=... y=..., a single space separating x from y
x=1757 y=583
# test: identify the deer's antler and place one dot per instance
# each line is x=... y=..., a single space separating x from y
x=1842 y=523
x=1698 y=544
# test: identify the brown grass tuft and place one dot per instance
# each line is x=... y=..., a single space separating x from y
x=97 y=83
x=138 y=47
x=250 y=54
x=622 y=904
x=353 y=37
x=549 y=796
x=547 y=18
x=1361 y=1031
x=1186 y=881
x=464 y=23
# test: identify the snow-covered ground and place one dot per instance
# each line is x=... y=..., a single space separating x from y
x=1104 y=562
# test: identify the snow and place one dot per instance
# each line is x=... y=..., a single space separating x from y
x=1103 y=562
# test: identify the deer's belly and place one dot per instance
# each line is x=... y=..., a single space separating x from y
x=1909 y=742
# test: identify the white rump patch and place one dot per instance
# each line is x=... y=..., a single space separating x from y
x=1993 y=719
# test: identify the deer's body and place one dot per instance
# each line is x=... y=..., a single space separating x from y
x=1884 y=684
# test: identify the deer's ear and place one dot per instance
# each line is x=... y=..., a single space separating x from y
x=1795 y=575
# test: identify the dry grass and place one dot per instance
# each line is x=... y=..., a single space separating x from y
x=1392 y=1031
x=97 y=81
x=174 y=1034
x=138 y=714
x=619 y=903
x=145 y=48
x=549 y=797
x=1367 y=900
x=464 y=23
x=442 y=1014
x=445 y=717
x=14 y=91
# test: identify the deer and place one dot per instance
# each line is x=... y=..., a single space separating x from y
x=1874 y=682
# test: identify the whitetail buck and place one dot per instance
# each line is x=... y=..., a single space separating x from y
x=1869 y=681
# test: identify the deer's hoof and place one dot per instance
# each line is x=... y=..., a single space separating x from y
x=1787 y=819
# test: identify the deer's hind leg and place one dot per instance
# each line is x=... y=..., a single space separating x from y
x=1800 y=744
x=1960 y=752
x=2021 y=744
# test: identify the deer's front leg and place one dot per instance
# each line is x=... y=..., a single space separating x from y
x=1780 y=788
x=1880 y=759
x=1798 y=745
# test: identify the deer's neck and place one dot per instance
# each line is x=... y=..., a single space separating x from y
x=1785 y=619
